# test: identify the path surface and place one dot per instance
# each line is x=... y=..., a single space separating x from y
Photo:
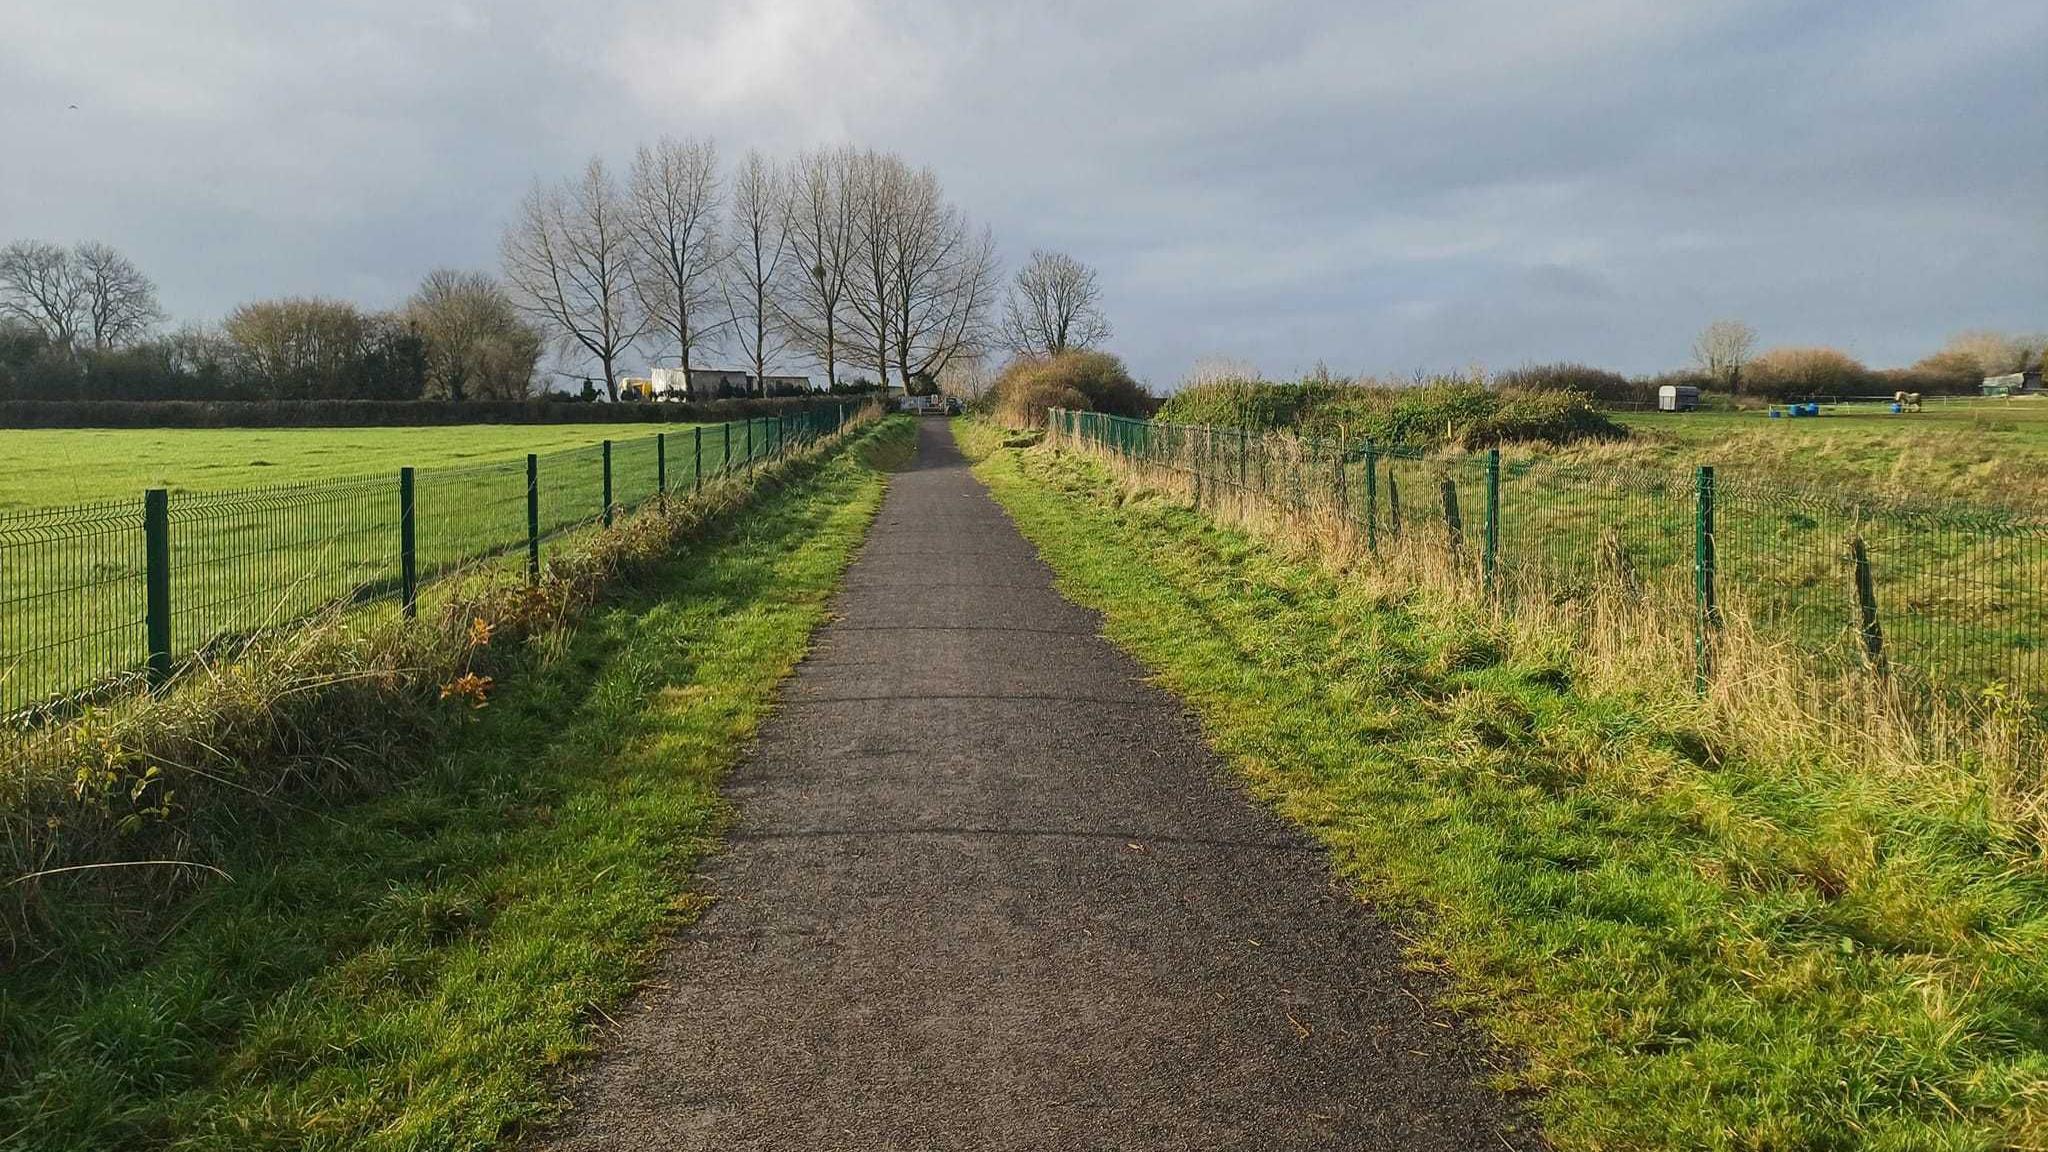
x=988 y=890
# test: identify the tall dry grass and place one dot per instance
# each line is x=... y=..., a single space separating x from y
x=1635 y=635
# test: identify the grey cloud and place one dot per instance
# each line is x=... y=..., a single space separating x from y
x=1384 y=186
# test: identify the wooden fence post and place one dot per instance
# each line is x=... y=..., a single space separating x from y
x=1866 y=607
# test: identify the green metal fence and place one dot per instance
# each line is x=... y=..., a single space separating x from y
x=97 y=597
x=1955 y=597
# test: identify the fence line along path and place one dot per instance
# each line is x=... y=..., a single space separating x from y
x=96 y=597
x=988 y=890
x=1954 y=598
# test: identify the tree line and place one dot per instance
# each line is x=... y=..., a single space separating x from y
x=1725 y=358
x=83 y=323
x=847 y=259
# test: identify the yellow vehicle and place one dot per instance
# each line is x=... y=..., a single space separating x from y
x=636 y=388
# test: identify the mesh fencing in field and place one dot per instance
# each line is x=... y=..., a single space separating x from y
x=94 y=597
x=1955 y=597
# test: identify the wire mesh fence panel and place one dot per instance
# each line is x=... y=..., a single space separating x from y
x=94 y=596
x=571 y=486
x=1578 y=525
x=1957 y=598
x=635 y=465
x=248 y=560
x=72 y=600
x=468 y=513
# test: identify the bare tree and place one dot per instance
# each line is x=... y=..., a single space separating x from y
x=755 y=248
x=923 y=279
x=969 y=377
x=820 y=225
x=301 y=347
x=676 y=198
x=945 y=315
x=119 y=301
x=874 y=188
x=1723 y=349
x=39 y=287
x=1054 y=305
x=477 y=343
x=943 y=277
x=1992 y=353
x=568 y=256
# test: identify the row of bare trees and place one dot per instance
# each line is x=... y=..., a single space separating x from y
x=846 y=258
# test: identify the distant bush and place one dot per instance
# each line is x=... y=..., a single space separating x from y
x=1466 y=414
x=1233 y=402
x=1025 y=406
x=1799 y=373
x=1952 y=372
x=1091 y=381
x=1601 y=384
x=1445 y=412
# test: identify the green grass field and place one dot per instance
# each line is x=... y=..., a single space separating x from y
x=409 y=972
x=1959 y=595
x=82 y=465
x=1992 y=453
x=1687 y=939
x=323 y=524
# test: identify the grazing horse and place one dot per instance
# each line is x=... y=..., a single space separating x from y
x=1907 y=401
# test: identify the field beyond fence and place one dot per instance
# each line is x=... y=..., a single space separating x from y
x=160 y=414
x=97 y=597
x=1945 y=601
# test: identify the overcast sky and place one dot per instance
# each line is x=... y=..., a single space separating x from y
x=1381 y=186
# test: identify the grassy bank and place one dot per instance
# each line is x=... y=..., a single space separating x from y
x=409 y=971
x=1696 y=933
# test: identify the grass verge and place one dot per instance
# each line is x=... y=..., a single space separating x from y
x=1693 y=941
x=407 y=972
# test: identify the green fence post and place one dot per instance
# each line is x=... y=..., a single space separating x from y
x=748 y=459
x=1492 y=513
x=1393 y=501
x=156 y=552
x=532 y=517
x=697 y=459
x=607 y=483
x=725 y=465
x=408 y=551
x=661 y=463
x=1372 y=498
x=1244 y=456
x=1708 y=613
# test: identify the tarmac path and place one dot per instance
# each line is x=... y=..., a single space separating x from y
x=987 y=889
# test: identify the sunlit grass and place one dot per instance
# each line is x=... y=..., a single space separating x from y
x=409 y=972
x=1700 y=924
